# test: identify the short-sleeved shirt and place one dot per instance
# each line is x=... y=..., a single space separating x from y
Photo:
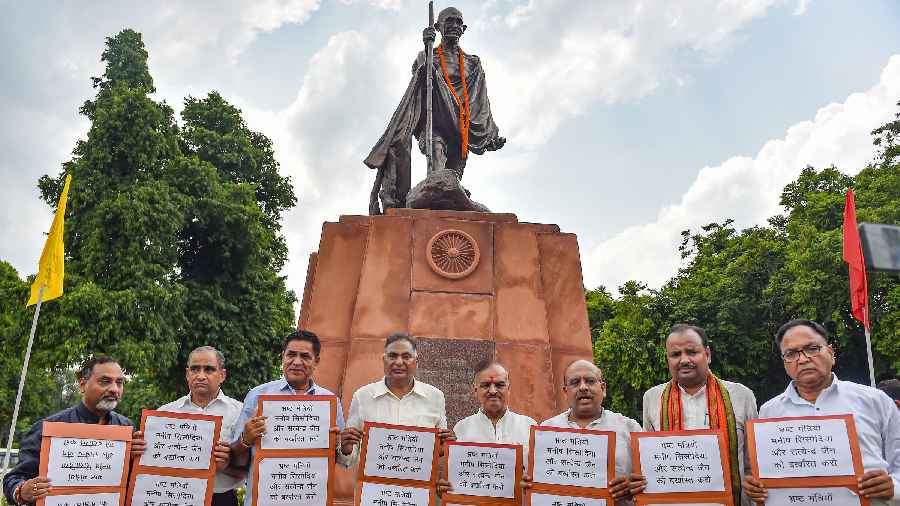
x=226 y=407
x=511 y=428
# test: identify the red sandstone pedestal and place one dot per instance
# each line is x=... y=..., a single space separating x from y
x=468 y=285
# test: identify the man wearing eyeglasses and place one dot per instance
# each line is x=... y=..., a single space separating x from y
x=299 y=359
x=696 y=399
x=585 y=390
x=815 y=390
x=397 y=398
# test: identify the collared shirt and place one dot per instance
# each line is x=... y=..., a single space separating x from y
x=511 y=428
x=30 y=447
x=695 y=409
x=874 y=413
x=277 y=387
x=608 y=421
x=229 y=409
x=423 y=406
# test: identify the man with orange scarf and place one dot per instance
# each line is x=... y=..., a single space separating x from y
x=461 y=110
x=696 y=399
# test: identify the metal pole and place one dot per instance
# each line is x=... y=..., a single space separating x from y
x=429 y=70
x=15 y=417
x=869 y=353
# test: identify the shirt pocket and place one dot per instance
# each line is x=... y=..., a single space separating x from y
x=427 y=420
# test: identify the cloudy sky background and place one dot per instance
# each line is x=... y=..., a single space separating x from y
x=628 y=121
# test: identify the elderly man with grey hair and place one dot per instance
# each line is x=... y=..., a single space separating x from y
x=205 y=373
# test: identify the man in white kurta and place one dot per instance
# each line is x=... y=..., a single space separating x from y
x=815 y=390
x=585 y=390
x=494 y=422
x=397 y=398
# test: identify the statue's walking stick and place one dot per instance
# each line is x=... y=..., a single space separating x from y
x=429 y=69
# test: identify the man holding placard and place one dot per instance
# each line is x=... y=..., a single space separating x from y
x=696 y=399
x=101 y=382
x=299 y=359
x=398 y=398
x=816 y=391
x=585 y=390
x=494 y=422
x=205 y=373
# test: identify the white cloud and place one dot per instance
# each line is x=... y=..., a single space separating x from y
x=748 y=189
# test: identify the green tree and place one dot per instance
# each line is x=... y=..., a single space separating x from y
x=172 y=237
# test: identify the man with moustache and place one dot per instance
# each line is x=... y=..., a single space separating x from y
x=585 y=390
x=696 y=399
x=205 y=373
x=815 y=390
x=299 y=359
x=397 y=398
x=494 y=422
x=101 y=382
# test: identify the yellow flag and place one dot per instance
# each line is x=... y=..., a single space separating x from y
x=50 y=270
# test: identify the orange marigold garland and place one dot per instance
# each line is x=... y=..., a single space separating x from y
x=463 y=105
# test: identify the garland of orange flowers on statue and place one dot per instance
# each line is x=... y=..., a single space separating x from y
x=463 y=106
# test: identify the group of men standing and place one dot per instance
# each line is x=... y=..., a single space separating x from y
x=694 y=398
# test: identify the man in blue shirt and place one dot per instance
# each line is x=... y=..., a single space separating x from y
x=101 y=382
x=299 y=359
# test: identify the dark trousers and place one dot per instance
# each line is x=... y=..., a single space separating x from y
x=225 y=499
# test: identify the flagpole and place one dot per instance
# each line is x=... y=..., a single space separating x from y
x=869 y=353
x=15 y=416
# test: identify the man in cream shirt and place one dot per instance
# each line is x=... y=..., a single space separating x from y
x=397 y=398
x=585 y=390
x=815 y=390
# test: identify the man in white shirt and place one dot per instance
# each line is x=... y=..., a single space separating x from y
x=696 y=399
x=815 y=390
x=585 y=390
x=494 y=422
x=397 y=398
x=205 y=374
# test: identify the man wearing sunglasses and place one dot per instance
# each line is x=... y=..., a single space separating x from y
x=815 y=391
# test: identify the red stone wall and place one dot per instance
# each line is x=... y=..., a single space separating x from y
x=371 y=277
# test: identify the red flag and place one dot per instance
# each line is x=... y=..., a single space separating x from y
x=853 y=255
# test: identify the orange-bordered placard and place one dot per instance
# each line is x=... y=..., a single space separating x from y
x=483 y=473
x=293 y=466
x=806 y=449
x=679 y=461
x=564 y=462
x=75 y=446
x=401 y=465
x=178 y=464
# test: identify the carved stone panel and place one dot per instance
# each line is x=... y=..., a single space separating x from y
x=449 y=364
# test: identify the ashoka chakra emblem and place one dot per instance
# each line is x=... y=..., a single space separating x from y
x=453 y=254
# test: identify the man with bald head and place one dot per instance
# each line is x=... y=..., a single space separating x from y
x=696 y=399
x=585 y=390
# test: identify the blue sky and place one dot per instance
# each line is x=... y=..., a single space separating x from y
x=627 y=121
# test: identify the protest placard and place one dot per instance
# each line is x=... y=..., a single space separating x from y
x=484 y=473
x=813 y=453
x=571 y=465
x=805 y=451
x=85 y=459
x=398 y=465
x=293 y=461
x=682 y=467
x=178 y=467
x=95 y=499
x=296 y=422
x=824 y=496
